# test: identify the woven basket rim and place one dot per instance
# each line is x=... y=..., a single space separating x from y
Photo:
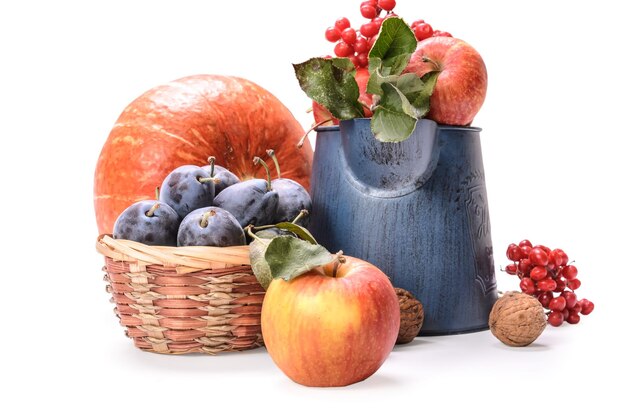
x=185 y=259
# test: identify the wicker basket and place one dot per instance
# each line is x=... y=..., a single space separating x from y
x=186 y=299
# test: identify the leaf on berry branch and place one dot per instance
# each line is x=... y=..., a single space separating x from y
x=331 y=83
x=394 y=118
x=393 y=47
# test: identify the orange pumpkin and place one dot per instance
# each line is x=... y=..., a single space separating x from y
x=185 y=122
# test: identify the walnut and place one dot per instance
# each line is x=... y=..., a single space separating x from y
x=411 y=316
x=517 y=319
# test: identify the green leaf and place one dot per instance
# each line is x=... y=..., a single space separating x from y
x=298 y=230
x=329 y=83
x=374 y=84
x=395 y=117
x=344 y=64
x=394 y=46
x=422 y=99
x=289 y=257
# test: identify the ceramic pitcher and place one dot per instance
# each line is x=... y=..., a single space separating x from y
x=416 y=209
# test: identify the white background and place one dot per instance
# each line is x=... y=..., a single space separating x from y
x=553 y=147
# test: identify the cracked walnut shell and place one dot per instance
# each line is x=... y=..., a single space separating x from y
x=411 y=316
x=517 y=319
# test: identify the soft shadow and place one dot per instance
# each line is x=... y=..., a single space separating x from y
x=417 y=342
x=531 y=348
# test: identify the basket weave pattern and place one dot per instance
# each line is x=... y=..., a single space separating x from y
x=178 y=300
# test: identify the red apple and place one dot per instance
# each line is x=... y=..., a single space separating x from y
x=322 y=330
x=462 y=83
x=320 y=113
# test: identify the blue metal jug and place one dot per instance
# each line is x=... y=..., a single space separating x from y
x=416 y=209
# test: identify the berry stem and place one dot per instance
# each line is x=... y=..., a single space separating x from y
x=205 y=218
x=302 y=214
x=211 y=161
x=339 y=260
x=306 y=134
x=153 y=209
x=272 y=154
x=258 y=160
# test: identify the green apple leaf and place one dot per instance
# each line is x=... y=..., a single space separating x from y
x=395 y=117
x=393 y=47
x=289 y=257
x=331 y=83
x=298 y=230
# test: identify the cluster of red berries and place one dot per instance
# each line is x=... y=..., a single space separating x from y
x=356 y=44
x=544 y=272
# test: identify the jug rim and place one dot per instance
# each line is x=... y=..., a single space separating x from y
x=439 y=127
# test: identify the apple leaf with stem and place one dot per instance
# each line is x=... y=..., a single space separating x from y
x=289 y=257
x=402 y=98
x=331 y=83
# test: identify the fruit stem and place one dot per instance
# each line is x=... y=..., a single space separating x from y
x=339 y=259
x=248 y=230
x=256 y=161
x=306 y=134
x=211 y=161
x=153 y=209
x=302 y=214
x=272 y=154
x=157 y=192
x=205 y=218
x=209 y=179
x=435 y=64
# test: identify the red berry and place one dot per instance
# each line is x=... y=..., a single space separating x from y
x=544 y=298
x=545 y=248
x=332 y=34
x=557 y=304
x=423 y=31
x=525 y=266
x=349 y=36
x=343 y=50
x=573 y=284
x=586 y=306
x=555 y=318
x=578 y=307
x=361 y=45
x=538 y=273
x=570 y=298
x=558 y=257
x=527 y=286
x=569 y=272
x=442 y=34
x=378 y=21
x=415 y=23
x=525 y=250
x=354 y=61
x=368 y=11
x=565 y=313
x=573 y=318
x=538 y=256
x=369 y=29
x=525 y=242
x=561 y=285
x=513 y=253
x=546 y=284
x=363 y=59
x=342 y=23
x=511 y=269
x=387 y=4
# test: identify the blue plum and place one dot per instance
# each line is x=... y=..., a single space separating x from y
x=292 y=198
x=149 y=222
x=188 y=188
x=210 y=226
x=225 y=177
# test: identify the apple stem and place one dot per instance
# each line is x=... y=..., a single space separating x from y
x=306 y=134
x=153 y=209
x=339 y=259
x=435 y=64
x=205 y=218
x=248 y=230
x=302 y=214
x=211 y=161
x=272 y=154
x=209 y=179
x=258 y=160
